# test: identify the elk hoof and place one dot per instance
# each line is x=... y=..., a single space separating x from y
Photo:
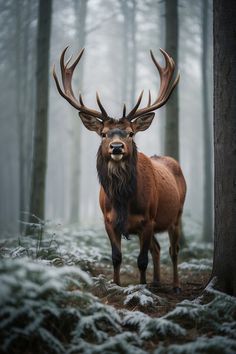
x=155 y=284
x=177 y=290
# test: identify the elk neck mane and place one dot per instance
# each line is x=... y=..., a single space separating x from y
x=119 y=181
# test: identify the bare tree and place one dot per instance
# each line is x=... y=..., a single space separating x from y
x=80 y=8
x=224 y=264
x=133 y=56
x=129 y=51
x=41 y=120
x=22 y=15
x=207 y=139
x=125 y=49
x=172 y=109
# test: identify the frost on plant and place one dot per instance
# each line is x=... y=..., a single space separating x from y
x=139 y=295
x=44 y=307
x=149 y=327
x=48 y=300
x=126 y=342
x=198 y=265
x=214 y=315
x=216 y=345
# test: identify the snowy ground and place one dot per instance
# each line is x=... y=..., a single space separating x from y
x=57 y=296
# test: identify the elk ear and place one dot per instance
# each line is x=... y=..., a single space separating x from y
x=91 y=123
x=143 y=122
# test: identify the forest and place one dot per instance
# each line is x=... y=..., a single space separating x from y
x=78 y=279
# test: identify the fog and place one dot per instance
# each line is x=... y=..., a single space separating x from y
x=111 y=56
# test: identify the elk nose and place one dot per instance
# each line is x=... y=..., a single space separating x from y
x=117 y=145
x=116 y=148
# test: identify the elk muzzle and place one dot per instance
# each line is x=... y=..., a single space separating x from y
x=116 y=150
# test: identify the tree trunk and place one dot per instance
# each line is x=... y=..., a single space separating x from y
x=81 y=12
x=22 y=30
x=125 y=51
x=20 y=83
x=172 y=108
x=41 y=120
x=207 y=138
x=133 y=56
x=224 y=264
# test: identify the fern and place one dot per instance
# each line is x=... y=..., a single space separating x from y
x=214 y=345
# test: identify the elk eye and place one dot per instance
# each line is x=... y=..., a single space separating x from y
x=131 y=134
x=103 y=135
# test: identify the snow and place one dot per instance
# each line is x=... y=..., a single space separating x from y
x=46 y=297
x=197 y=264
x=139 y=295
x=216 y=345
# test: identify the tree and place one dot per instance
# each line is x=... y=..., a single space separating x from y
x=41 y=120
x=207 y=139
x=224 y=263
x=23 y=69
x=81 y=13
x=172 y=109
x=129 y=51
x=133 y=57
x=125 y=50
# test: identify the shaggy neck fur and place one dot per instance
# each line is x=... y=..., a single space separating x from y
x=118 y=180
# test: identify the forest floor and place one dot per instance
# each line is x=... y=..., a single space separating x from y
x=57 y=296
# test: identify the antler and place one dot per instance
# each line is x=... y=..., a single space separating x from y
x=166 y=88
x=68 y=94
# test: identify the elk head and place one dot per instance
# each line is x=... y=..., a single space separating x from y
x=117 y=134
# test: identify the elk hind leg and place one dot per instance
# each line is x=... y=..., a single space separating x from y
x=174 y=235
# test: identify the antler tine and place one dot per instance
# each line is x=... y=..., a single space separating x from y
x=67 y=72
x=154 y=61
x=81 y=100
x=165 y=73
x=124 y=110
x=70 y=100
x=67 y=62
x=101 y=107
x=67 y=93
x=72 y=67
x=166 y=88
x=132 y=112
x=149 y=98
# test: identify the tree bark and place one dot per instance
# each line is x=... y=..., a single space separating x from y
x=41 y=120
x=81 y=13
x=207 y=138
x=172 y=108
x=133 y=57
x=125 y=51
x=224 y=263
x=22 y=30
x=20 y=85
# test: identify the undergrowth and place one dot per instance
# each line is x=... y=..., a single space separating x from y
x=57 y=297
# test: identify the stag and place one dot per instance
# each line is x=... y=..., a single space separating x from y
x=139 y=194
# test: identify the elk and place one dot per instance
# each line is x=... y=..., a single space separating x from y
x=139 y=194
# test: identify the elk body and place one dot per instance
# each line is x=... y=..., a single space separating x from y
x=138 y=195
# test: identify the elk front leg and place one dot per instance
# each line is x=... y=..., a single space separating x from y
x=115 y=240
x=174 y=233
x=155 y=252
x=145 y=243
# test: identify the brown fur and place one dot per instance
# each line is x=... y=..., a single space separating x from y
x=155 y=207
x=159 y=198
x=138 y=194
